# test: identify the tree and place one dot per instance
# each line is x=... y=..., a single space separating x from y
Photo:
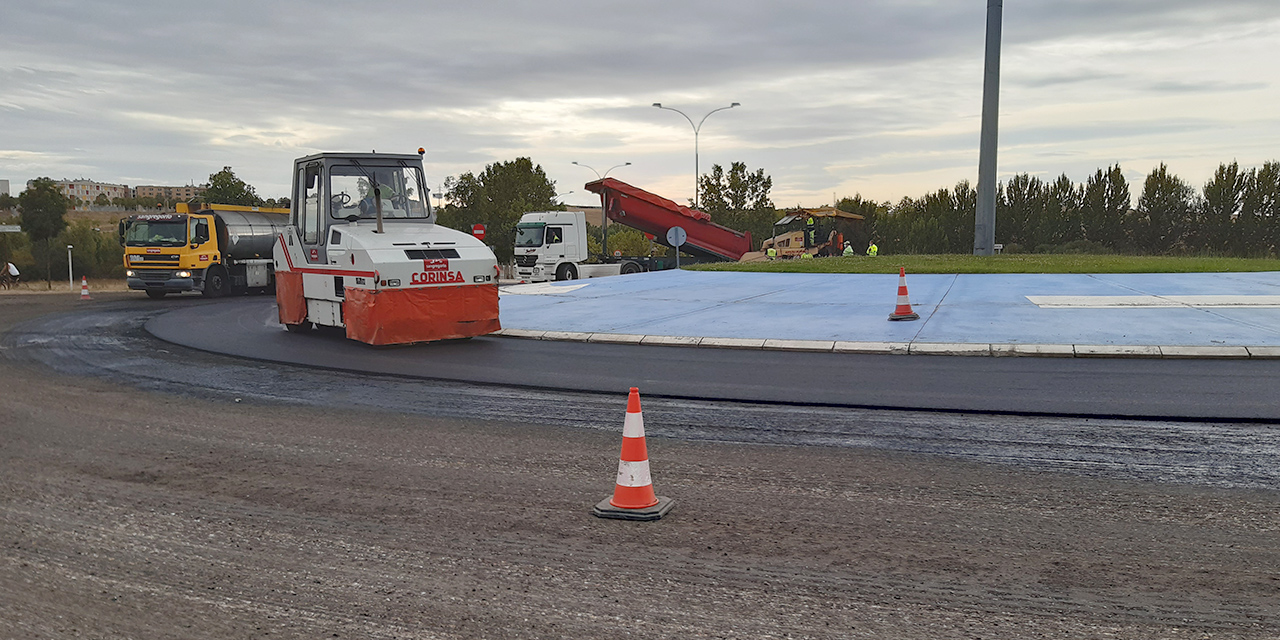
x=1164 y=211
x=1259 y=219
x=225 y=188
x=1020 y=210
x=44 y=211
x=1223 y=198
x=96 y=254
x=739 y=199
x=497 y=198
x=1060 y=220
x=7 y=202
x=1104 y=207
x=871 y=213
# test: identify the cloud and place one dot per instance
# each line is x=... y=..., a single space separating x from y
x=879 y=96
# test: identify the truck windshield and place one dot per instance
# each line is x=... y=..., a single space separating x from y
x=529 y=235
x=351 y=192
x=156 y=231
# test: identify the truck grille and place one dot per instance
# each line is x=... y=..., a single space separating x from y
x=526 y=261
x=152 y=275
x=162 y=260
x=431 y=254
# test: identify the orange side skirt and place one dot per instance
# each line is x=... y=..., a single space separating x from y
x=289 y=301
x=405 y=316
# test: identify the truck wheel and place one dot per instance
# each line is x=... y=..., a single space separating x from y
x=301 y=327
x=630 y=267
x=155 y=295
x=215 y=282
x=567 y=272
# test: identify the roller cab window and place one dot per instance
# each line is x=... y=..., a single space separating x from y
x=352 y=193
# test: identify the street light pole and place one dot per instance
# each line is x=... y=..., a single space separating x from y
x=696 y=129
x=70 y=279
x=604 y=216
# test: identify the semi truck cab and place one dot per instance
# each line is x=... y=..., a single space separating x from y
x=550 y=244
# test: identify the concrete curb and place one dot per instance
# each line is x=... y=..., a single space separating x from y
x=912 y=348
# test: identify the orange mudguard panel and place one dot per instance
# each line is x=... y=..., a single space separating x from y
x=404 y=316
x=289 y=300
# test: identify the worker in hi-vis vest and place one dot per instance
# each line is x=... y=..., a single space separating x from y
x=848 y=249
x=872 y=249
x=771 y=253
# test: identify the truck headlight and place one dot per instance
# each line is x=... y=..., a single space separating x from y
x=184 y=274
x=128 y=273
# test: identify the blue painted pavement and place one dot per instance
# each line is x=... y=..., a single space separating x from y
x=987 y=308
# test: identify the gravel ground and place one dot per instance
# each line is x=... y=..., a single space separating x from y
x=135 y=514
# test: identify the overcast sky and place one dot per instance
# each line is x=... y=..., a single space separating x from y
x=881 y=98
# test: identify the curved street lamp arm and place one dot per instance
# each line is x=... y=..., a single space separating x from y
x=686 y=117
x=592 y=168
x=704 y=118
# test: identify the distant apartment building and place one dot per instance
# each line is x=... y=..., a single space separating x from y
x=4 y=187
x=88 y=190
x=168 y=193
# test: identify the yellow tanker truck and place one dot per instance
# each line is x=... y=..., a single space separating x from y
x=216 y=249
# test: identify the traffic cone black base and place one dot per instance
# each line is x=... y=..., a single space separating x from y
x=903 y=310
x=605 y=510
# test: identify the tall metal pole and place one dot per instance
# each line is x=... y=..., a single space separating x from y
x=71 y=283
x=984 y=225
x=696 y=129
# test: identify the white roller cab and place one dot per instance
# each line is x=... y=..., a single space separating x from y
x=363 y=252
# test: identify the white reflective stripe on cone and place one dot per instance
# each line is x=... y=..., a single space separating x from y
x=633 y=474
x=633 y=426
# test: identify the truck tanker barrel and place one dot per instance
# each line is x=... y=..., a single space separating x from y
x=248 y=234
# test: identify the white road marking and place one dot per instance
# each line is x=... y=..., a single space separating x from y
x=1148 y=301
x=539 y=289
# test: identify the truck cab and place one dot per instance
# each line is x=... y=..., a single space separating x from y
x=550 y=245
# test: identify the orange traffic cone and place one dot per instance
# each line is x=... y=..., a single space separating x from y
x=84 y=288
x=903 y=312
x=633 y=497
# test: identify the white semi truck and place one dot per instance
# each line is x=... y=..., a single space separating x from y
x=362 y=252
x=552 y=245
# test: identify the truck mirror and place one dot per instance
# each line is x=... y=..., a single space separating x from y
x=312 y=174
x=120 y=232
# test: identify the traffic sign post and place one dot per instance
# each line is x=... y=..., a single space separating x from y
x=676 y=237
x=477 y=230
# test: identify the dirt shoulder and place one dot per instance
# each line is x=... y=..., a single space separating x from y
x=132 y=514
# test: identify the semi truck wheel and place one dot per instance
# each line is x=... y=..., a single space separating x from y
x=215 y=282
x=630 y=267
x=567 y=272
x=155 y=295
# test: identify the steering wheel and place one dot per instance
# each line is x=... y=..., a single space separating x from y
x=341 y=200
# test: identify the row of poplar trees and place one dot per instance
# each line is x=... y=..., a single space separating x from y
x=1236 y=213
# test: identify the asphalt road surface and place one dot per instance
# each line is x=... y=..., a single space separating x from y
x=149 y=490
x=1098 y=387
